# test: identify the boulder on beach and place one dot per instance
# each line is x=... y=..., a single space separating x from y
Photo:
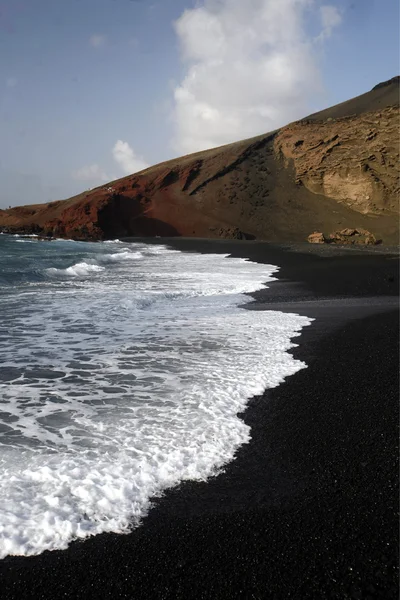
x=353 y=236
x=316 y=238
x=345 y=236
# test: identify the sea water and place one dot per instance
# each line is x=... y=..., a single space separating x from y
x=123 y=367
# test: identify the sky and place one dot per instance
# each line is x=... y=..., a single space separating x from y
x=92 y=90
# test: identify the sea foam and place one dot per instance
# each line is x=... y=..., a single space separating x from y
x=125 y=381
x=80 y=269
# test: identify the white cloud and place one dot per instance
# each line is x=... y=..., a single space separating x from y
x=91 y=173
x=123 y=155
x=330 y=18
x=11 y=82
x=127 y=159
x=97 y=40
x=251 y=68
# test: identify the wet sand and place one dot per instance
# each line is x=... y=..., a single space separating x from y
x=309 y=507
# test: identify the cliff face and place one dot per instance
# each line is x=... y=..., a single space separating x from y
x=335 y=169
x=353 y=160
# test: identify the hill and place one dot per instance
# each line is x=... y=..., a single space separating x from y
x=334 y=169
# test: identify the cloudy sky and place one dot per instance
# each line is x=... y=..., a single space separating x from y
x=91 y=90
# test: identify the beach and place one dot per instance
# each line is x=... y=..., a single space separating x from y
x=308 y=509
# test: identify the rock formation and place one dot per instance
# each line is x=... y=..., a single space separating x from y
x=323 y=173
x=316 y=238
x=344 y=237
x=353 y=160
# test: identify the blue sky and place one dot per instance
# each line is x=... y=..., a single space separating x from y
x=91 y=90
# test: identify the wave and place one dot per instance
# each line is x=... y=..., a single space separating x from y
x=24 y=235
x=81 y=269
x=85 y=268
x=120 y=256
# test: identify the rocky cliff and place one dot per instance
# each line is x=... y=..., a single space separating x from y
x=332 y=170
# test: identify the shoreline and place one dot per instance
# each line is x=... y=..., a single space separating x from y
x=297 y=514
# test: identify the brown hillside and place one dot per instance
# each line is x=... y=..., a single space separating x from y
x=334 y=169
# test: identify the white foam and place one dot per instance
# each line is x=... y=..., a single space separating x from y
x=84 y=269
x=126 y=384
x=127 y=255
x=25 y=235
x=81 y=269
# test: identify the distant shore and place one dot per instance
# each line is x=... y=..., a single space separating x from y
x=308 y=509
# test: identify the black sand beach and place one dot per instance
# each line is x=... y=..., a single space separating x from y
x=309 y=508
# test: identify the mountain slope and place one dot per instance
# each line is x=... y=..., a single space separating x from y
x=334 y=169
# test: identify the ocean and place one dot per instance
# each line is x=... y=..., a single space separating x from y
x=123 y=368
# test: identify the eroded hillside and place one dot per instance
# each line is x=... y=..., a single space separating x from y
x=353 y=160
x=334 y=169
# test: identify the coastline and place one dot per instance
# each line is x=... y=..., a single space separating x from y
x=308 y=508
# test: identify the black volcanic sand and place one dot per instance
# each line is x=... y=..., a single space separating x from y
x=309 y=508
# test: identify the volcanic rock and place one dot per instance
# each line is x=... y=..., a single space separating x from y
x=353 y=236
x=232 y=233
x=312 y=175
x=316 y=238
